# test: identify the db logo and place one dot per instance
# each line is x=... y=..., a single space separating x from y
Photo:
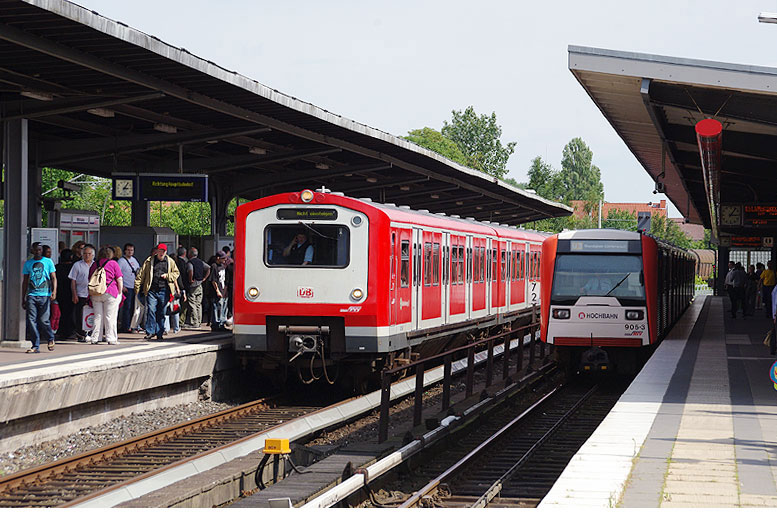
x=581 y=315
x=305 y=292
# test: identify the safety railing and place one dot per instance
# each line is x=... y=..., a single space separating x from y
x=467 y=351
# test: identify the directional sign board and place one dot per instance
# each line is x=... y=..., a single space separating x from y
x=183 y=187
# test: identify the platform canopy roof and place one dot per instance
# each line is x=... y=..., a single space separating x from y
x=654 y=102
x=102 y=97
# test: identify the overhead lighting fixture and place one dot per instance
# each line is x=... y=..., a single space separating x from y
x=211 y=141
x=103 y=113
x=434 y=196
x=404 y=188
x=767 y=18
x=34 y=94
x=371 y=179
x=165 y=128
x=322 y=166
x=459 y=203
x=478 y=207
x=257 y=151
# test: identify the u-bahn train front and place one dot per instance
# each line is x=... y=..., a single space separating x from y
x=594 y=305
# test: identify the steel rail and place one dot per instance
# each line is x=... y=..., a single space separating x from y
x=496 y=487
x=435 y=483
x=51 y=469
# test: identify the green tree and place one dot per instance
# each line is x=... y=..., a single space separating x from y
x=663 y=228
x=478 y=138
x=620 y=220
x=434 y=141
x=580 y=179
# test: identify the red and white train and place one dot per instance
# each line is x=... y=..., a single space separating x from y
x=323 y=280
x=607 y=295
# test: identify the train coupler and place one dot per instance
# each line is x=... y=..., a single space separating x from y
x=594 y=360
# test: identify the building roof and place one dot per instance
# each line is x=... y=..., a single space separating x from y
x=102 y=97
x=653 y=102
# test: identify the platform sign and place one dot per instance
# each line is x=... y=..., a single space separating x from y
x=746 y=241
x=177 y=187
x=759 y=215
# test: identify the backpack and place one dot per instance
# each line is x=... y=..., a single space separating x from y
x=97 y=283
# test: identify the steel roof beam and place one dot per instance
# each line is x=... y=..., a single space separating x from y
x=68 y=152
x=388 y=182
x=245 y=161
x=77 y=104
x=402 y=196
x=286 y=180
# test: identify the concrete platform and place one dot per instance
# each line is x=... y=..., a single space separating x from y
x=51 y=394
x=697 y=427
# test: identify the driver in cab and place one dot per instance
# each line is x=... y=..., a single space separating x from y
x=596 y=287
x=299 y=251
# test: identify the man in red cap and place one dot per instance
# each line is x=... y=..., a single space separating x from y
x=157 y=278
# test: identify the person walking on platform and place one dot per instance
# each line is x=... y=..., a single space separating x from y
x=39 y=290
x=129 y=268
x=65 y=294
x=751 y=288
x=157 y=279
x=736 y=281
x=79 y=284
x=768 y=281
x=106 y=305
x=218 y=277
x=179 y=318
x=197 y=273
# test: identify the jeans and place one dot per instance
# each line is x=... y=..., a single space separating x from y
x=126 y=311
x=155 y=315
x=219 y=314
x=38 y=318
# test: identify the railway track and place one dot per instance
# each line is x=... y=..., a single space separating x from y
x=66 y=481
x=512 y=459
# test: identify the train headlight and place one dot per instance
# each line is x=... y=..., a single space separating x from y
x=561 y=314
x=356 y=220
x=306 y=196
x=253 y=293
x=357 y=294
x=635 y=314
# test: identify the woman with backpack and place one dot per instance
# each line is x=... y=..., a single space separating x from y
x=105 y=288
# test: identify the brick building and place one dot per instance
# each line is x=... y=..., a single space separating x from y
x=655 y=208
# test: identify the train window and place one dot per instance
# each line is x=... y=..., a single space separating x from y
x=392 y=264
x=578 y=275
x=404 y=271
x=293 y=245
x=436 y=264
x=503 y=263
x=493 y=265
x=445 y=265
x=460 y=276
x=469 y=265
x=427 y=264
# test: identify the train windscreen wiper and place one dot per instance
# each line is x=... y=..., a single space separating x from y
x=310 y=227
x=618 y=284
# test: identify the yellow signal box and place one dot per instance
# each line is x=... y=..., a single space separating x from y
x=276 y=446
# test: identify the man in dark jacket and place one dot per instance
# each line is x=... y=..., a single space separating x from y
x=197 y=274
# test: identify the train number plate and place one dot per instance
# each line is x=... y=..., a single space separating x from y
x=305 y=292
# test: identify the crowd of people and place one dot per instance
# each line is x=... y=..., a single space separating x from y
x=92 y=294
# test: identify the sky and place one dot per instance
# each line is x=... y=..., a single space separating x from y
x=403 y=65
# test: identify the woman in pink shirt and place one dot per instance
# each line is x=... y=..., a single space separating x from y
x=106 y=306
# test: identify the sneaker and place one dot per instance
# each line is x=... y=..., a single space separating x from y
x=148 y=336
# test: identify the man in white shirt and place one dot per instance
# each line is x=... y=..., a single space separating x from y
x=79 y=283
x=129 y=267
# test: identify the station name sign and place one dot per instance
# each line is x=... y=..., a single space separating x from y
x=306 y=214
x=178 y=187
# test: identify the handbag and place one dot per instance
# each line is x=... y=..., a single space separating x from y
x=173 y=306
x=138 y=315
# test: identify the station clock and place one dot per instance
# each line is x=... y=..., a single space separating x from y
x=124 y=188
x=730 y=215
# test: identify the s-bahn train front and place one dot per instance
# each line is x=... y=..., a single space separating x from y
x=596 y=303
x=303 y=296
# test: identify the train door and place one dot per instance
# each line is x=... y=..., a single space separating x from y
x=405 y=291
x=534 y=275
x=417 y=280
x=430 y=284
x=476 y=276
x=393 y=286
x=490 y=277
x=445 y=280
x=468 y=284
x=457 y=291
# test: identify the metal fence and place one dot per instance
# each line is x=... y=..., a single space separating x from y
x=468 y=351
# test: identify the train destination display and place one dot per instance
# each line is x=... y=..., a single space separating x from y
x=183 y=187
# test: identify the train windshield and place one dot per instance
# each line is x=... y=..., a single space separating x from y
x=579 y=275
x=307 y=245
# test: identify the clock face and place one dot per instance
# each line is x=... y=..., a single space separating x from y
x=731 y=215
x=123 y=188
